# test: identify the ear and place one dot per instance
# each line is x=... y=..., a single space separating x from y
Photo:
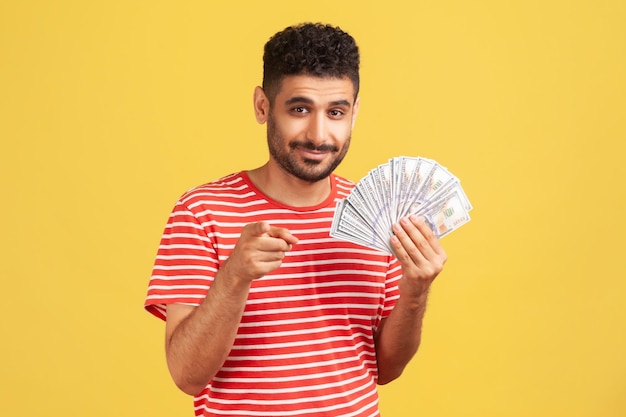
x=261 y=105
x=355 y=110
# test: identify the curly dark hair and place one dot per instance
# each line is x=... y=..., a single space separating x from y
x=315 y=49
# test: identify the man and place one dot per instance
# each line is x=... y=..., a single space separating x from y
x=266 y=314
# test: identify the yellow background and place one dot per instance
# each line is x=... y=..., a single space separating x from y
x=110 y=110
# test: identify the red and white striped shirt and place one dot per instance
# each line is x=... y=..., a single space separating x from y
x=305 y=344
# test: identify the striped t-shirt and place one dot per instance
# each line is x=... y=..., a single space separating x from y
x=305 y=344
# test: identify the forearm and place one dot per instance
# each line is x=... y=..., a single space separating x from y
x=198 y=340
x=422 y=258
x=399 y=337
x=200 y=343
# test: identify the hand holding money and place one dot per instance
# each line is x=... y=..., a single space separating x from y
x=390 y=192
x=421 y=255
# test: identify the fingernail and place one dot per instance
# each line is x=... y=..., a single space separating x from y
x=416 y=219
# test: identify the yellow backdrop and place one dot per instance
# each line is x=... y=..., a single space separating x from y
x=109 y=110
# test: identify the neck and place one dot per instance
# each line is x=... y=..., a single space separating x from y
x=287 y=189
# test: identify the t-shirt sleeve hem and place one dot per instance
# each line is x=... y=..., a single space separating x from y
x=159 y=308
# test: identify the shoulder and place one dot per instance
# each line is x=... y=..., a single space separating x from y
x=342 y=185
x=229 y=194
x=230 y=185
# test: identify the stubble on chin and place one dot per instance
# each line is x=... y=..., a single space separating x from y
x=308 y=170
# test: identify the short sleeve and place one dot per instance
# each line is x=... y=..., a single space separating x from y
x=185 y=264
x=392 y=293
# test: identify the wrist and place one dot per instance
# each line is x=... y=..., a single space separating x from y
x=414 y=298
x=230 y=284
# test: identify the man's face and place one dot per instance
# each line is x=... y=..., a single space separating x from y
x=310 y=124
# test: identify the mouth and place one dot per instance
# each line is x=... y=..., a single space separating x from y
x=310 y=152
x=312 y=155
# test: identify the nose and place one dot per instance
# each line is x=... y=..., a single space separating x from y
x=317 y=131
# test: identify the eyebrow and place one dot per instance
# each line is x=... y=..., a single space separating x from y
x=306 y=100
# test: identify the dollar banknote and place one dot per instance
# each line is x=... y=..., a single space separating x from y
x=401 y=187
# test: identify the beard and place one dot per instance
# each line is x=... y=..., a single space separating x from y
x=309 y=170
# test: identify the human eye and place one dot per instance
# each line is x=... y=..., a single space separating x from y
x=336 y=113
x=300 y=110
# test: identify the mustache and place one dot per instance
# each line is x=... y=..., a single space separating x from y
x=308 y=145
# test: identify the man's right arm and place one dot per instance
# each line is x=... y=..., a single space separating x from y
x=199 y=339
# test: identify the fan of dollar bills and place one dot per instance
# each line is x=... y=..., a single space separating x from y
x=399 y=188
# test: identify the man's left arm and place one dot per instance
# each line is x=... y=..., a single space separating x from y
x=422 y=258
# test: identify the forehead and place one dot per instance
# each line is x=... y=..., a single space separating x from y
x=317 y=89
